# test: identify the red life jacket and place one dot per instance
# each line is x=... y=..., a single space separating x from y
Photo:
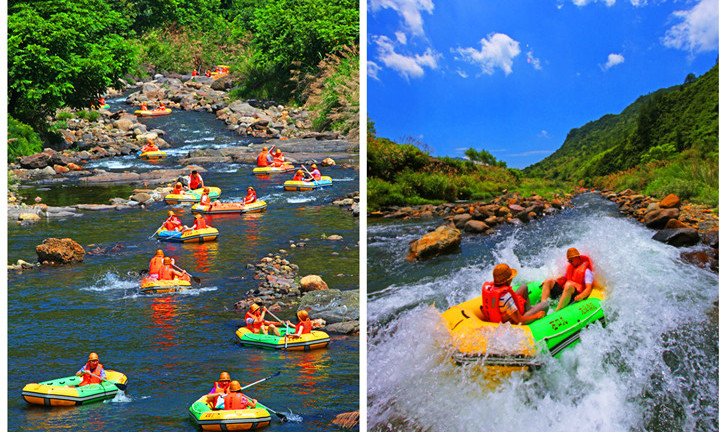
x=316 y=174
x=298 y=177
x=195 y=181
x=218 y=389
x=235 y=401
x=306 y=325
x=255 y=326
x=262 y=159
x=577 y=275
x=155 y=265
x=250 y=198
x=205 y=200
x=178 y=190
x=166 y=272
x=89 y=379
x=490 y=296
x=199 y=224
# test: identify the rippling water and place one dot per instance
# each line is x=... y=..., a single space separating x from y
x=172 y=347
x=654 y=367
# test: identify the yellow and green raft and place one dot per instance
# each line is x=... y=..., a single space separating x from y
x=57 y=393
x=228 y=420
x=193 y=236
x=306 y=342
x=193 y=196
x=296 y=185
x=477 y=340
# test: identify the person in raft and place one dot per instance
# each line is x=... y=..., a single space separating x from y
x=215 y=398
x=206 y=201
x=168 y=272
x=194 y=72
x=195 y=180
x=300 y=176
x=144 y=107
x=207 y=73
x=315 y=172
x=92 y=366
x=161 y=107
x=255 y=320
x=199 y=223
x=500 y=303
x=149 y=147
x=236 y=400
x=251 y=196
x=156 y=263
x=305 y=326
x=101 y=101
x=172 y=223
x=278 y=160
x=578 y=278
x=264 y=158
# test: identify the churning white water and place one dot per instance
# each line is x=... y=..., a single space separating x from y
x=654 y=366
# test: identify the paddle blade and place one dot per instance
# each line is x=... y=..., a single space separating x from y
x=120 y=386
x=196 y=279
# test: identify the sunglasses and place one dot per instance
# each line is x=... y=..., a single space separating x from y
x=93 y=361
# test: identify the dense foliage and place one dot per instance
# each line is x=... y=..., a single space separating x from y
x=22 y=140
x=403 y=174
x=658 y=126
x=63 y=53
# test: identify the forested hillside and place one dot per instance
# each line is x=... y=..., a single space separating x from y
x=656 y=127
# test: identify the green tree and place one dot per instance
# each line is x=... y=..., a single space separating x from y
x=484 y=157
x=63 y=53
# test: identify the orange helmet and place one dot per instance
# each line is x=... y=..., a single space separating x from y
x=171 y=213
x=313 y=166
x=264 y=148
x=302 y=315
x=159 y=252
x=278 y=151
x=167 y=260
x=250 y=188
x=92 y=356
x=572 y=253
x=206 y=190
x=235 y=386
x=198 y=216
x=178 y=183
x=224 y=376
x=254 y=307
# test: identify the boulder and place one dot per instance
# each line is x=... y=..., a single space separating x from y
x=332 y=305
x=327 y=162
x=670 y=201
x=312 y=283
x=38 y=160
x=60 y=251
x=123 y=124
x=700 y=259
x=444 y=239
x=347 y=327
x=475 y=226
x=678 y=237
x=675 y=223
x=710 y=238
x=141 y=197
x=29 y=217
x=334 y=237
x=658 y=219
x=461 y=220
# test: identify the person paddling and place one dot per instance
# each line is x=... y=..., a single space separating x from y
x=500 y=304
x=168 y=272
x=220 y=389
x=236 y=400
x=172 y=223
x=305 y=326
x=300 y=176
x=178 y=189
x=278 y=160
x=255 y=320
x=92 y=366
x=149 y=147
x=264 y=158
x=156 y=263
x=315 y=172
x=199 y=223
x=578 y=279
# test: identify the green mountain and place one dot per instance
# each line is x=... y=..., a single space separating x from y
x=659 y=126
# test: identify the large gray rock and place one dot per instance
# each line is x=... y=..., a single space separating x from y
x=332 y=305
x=658 y=219
x=678 y=237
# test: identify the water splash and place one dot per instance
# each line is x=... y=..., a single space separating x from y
x=653 y=367
x=120 y=397
x=111 y=281
x=299 y=200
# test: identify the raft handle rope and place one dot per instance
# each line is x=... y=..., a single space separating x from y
x=599 y=309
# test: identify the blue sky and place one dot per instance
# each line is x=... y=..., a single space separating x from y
x=514 y=77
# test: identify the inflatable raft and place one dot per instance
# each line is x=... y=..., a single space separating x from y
x=153 y=113
x=227 y=208
x=491 y=344
x=314 y=340
x=56 y=392
x=273 y=170
x=152 y=155
x=194 y=236
x=156 y=286
x=228 y=420
x=192 y=196
x=291 y=185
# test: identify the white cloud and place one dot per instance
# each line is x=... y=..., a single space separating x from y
x=373 y=69
x=496 y=51
x=531 y=59
x=409 y=10
x=462 y=73
x=401 y=37
x=699 y=30
x=407 y=66
x=613 y=60
x=543 y=134
x=582 y=3
x=531 y=153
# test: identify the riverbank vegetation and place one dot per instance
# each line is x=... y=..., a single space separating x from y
x=67 y=53
x=664 y=142
x=404 y=174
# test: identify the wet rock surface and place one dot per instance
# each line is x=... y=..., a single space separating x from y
x=59 y=251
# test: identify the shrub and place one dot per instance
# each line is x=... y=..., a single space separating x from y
x=93 y=116
x=22 y=140
x=64 y=115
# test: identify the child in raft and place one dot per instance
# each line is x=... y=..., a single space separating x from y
x=206 y=201
x=305 y=326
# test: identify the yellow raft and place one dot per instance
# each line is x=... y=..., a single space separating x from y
x=57 y=393
x=193 y=196
x=273 y=170
x=153 y=113
x=228 y=420
x=152 y=155
x=306 y=342
x=194 y=236
x=297 y=185
x=156 y=286
x=228 y=208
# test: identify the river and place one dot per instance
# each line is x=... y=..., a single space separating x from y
x=173 y=347
x=653 y=367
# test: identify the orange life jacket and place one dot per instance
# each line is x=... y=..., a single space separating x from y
x=316 y=174
x=306 y=325
x=178 y=190
x=262 y=159
x=89 y=379
x=278 y=161
x=199 y=224
x=195 y=73
x=218 y=389
x=205 y=200
x=195 y=181
x=250 y=198
x=255 y=326
x=166 y=272
x=156 y=264
x=490 y=296
x=298 y=177
x=577 y=275
x=235 y=401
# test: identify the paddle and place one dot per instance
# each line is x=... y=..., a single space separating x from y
x=158 y=229
x=196 y=279
x=283 y=417
x=306 y=170
x=120 y=386
x=259 y=381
